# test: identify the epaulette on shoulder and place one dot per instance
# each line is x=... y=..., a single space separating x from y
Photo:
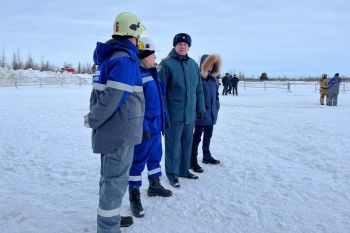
x=166 y=58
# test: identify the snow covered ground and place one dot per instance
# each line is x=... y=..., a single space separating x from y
x=284 y=167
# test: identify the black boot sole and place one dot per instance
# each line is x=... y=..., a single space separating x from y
x=210 y=162
x=155 y=194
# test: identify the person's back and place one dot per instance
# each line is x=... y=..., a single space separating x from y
x=333 y=90
x=115 y=60
x=333 y=84
x=224 y=80
x=235 y=81
x=116 y=116
x=225 y=84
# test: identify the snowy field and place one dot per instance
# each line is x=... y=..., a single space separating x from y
x=285 y=167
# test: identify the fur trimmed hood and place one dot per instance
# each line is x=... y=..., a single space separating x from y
x=208 y=61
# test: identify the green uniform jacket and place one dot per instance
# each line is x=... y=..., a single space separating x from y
x=184 y=90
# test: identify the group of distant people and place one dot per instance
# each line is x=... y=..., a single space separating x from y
x=329 y=89
x=230 y=84
x=133 y=103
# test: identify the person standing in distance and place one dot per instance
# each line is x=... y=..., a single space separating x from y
x=185 y=102
x=333 y=90
x=323 y=88
x=116 y=115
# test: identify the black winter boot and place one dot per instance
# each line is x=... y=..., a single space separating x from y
x=126 y=221
x=197 y=168
x=156 y=189
x=135 y=202
x=210 y=160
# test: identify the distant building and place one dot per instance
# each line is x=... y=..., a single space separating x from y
x=68 y=69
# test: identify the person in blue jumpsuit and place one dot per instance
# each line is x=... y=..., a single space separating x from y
x=149 y=152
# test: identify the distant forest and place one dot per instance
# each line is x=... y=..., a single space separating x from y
x=18 y=63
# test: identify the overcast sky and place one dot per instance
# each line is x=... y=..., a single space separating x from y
x=285 y=37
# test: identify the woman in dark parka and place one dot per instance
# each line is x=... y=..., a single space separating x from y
x=209 y=67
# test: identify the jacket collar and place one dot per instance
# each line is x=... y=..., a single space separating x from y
x=177 y=56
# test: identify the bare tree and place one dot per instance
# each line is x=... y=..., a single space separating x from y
x=88 y=68
x=15 y=65
x=79 y=68
x=3 y=59
x=42 y=64
x=29 y=63
x=19 y=60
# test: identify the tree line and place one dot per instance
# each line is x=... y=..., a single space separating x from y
x=17 y=63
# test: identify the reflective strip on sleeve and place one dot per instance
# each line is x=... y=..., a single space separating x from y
x=123 y=86
x=154 y=171
x=147 y=79
x=138 y=89
x=108 y=213
x=98 y=86
x=135 y=178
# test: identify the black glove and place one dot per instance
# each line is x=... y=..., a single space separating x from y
x=199 y=115
x=167 y=125
x=146 y=135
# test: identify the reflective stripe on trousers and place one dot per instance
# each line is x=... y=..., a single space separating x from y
x=148 y=152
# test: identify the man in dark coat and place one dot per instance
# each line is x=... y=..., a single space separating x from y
x=229 y=83
x=210 y=66
x=185 y=101
x=235 y=81
x=225 y=84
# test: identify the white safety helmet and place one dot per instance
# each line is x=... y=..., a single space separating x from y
x=145 y=43
x=146 y=47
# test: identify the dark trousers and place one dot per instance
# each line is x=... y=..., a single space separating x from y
x=229 y=89
x=224 y=91
x=208 y=132
x=234 y=89
x=178 y=143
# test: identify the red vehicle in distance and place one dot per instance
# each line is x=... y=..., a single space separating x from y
x=68 y=69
